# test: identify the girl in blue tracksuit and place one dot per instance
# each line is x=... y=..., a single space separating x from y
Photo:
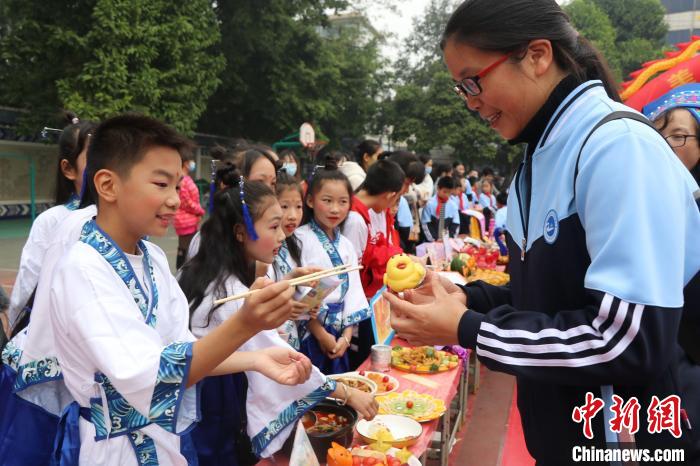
x=596 y=292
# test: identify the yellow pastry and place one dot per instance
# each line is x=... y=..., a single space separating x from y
x=403 y=274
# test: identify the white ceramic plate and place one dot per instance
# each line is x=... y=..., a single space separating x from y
x=401 y=427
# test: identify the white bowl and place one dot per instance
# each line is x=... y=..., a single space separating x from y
x=404 y=429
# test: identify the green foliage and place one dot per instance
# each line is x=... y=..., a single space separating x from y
x=152 y=57
x=594 y=25
x=638 y=28
x=283 y=69
x=103 y=57
x=425 y=112
x=38 y=46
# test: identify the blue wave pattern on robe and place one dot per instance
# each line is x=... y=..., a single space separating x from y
x=324 y=315
x=37 y=371
x=290 y=414
x=290 y=327
x=73 y=202
x=93 y=236
x=174 y=366
x=145 y=449
x=11 y=355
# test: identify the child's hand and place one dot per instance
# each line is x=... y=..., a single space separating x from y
x=298 y=309
x=364 y=403
x=327 y=343
x=271 y=306
x=340 y=347
x=283 y=365
x=313 y=313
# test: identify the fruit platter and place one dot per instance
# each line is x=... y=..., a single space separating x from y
x=385 y=383
x=369 y=456
x=422 y=360
x=420 y=407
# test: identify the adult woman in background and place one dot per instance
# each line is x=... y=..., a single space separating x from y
x=596 y=292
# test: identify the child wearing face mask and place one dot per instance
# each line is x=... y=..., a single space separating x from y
x=190 y=212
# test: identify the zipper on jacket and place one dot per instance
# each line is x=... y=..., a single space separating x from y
x=524 y=210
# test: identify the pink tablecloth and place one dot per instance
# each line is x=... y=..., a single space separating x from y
x=446 y=389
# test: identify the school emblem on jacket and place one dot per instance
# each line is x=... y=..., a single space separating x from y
x=551 y=227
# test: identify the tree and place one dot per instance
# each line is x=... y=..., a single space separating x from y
x=640 y=31
x=591 y=21
x=284 y=68
x=425 y=112
x=103 y=57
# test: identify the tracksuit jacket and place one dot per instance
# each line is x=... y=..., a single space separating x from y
x=599 y=263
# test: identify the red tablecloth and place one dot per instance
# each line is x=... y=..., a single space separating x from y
x=445 y=388
x=447 y=385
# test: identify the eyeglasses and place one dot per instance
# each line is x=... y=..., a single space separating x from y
x=678 y=140
x=470 y=86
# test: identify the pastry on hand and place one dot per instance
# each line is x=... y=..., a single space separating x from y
x=403 y=274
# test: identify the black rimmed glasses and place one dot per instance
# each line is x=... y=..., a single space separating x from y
x=469 y=86
x=678 y=140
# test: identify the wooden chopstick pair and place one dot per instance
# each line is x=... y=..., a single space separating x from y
x=312 y=277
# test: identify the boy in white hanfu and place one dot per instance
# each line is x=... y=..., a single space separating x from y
x=120 y=320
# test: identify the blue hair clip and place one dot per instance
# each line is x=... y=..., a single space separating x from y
x=250 y=228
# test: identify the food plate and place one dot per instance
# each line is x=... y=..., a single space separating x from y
x=412 y=460
x=422 y=360
x=356 y=381
x=403 y=429
x=420 y=407
x=385 y=383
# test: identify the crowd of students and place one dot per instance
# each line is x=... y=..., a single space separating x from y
x=113 y=360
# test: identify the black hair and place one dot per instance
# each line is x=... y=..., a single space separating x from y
x=252 y=155
x=286 y=153
x=384 y=176
x=446 y=182
x=328 y=172
x=411 y=165
x=285 y=183
x=70 y=145
x=121 y=142
x=472 y=180
x=502 y=198
x=488 y=171
x=441 y=169
x=508 y=26
x=369 y=147
x=457 y=163
x=220 y=255
x=665 y=119
x=425 y=158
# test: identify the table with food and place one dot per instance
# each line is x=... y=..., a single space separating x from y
x=414 y=396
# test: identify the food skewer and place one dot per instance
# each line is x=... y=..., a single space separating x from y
x=312 y=277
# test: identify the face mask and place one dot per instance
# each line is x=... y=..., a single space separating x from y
x=192 y=166
x=428 y=170
x=290 y=168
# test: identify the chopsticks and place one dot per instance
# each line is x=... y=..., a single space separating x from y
x=312 y=277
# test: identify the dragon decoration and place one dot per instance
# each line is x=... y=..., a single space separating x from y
x=679 y=67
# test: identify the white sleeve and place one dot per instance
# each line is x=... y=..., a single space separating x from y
x=101 y=327
x=356 y=307
x=30 y=262
x=355 y=229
